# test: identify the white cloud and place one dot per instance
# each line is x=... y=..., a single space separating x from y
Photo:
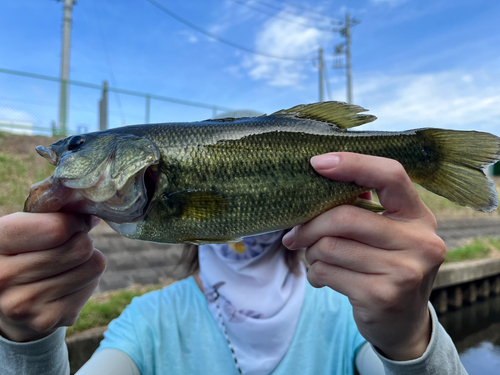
x=189 y=36
x=283 y=38
x=227 y=14
x=451 y=99
x=11 y=115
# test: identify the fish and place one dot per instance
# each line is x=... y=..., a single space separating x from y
x=217 y=181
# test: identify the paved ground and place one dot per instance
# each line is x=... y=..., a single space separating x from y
x=131 y=262
x=453 y=232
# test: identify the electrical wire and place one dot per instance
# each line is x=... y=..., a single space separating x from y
x=223 y=40
x=108 y=59
x=280 y=17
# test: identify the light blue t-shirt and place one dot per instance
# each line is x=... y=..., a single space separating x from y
x=171 y=331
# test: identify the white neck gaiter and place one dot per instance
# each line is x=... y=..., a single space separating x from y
x=254 y=299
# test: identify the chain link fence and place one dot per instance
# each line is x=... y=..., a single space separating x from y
x=30 y=104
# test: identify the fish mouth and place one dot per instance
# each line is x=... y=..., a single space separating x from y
x=48 y=154
x=131 y=202
x=123 y=204
x=150 y=184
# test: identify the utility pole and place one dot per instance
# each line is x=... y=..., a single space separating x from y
x=64 y=91
x=321 y=66
x=345 y=49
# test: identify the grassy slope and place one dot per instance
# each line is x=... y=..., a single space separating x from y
x=476 y=248
x=20 y=167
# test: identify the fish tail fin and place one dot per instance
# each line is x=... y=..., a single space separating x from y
x=459 y=171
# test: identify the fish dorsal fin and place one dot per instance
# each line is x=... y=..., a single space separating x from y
x=343 y=115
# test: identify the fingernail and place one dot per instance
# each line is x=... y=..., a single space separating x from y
x=288 y=238
x=95 y=221
x=326 y=161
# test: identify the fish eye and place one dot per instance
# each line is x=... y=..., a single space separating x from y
x=75 y=142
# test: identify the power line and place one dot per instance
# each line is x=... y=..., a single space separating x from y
x=280 y=17
x=223 y=40
x=108 y=59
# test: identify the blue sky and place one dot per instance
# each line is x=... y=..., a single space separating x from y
x=415 y=63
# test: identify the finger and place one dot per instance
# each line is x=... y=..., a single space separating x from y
x=38 y=265
x=351 y=255
x=362 y=289
x=349 y=283
x=394 y=188
x=23 y=232
x=348 y=222
x=65 y=310
x=43 y=317
x=73 y=280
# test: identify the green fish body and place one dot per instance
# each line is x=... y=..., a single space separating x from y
x=219 y=180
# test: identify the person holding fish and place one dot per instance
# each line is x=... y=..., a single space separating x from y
x=250 y=307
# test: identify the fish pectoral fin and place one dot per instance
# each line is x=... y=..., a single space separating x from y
x=368 y=205
x=194 y=204
x=343 y=115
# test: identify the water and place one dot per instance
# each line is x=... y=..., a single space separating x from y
x=475 y=330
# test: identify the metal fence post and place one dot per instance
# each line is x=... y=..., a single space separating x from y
x=103 y=107
x=148 y=103
x=63 y=108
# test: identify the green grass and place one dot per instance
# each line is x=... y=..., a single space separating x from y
x=17 y=174
x=479 y=248
x=20 y=167
x=102 y=309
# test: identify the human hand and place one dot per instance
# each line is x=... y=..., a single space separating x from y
x=48 y=270
x=385 y=264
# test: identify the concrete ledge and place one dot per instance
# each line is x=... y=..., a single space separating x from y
x=464 y=272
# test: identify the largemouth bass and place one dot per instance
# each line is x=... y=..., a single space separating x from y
x=216 y=181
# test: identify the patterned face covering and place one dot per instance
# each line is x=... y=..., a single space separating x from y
x=254 y=299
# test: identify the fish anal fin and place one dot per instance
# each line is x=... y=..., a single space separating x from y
x=193 y=204
x=205 y=241
x=368 y=205
x=341 y=114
